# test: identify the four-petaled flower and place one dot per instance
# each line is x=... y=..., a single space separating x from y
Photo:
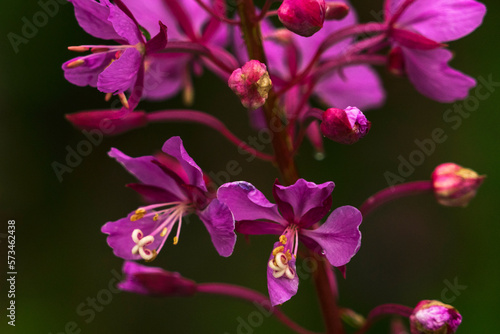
x=177 y=187
x=298 y=208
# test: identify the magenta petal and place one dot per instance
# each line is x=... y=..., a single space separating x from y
x=153 y=194
x=220 y=224
x=444 y=20
x=253 y=227
x=159 y=41
x=124 y=26
x=147 y=172
x=339 y=236
x=120 y=235
x=93 y=18
x=121 y=74
x=88 y=72
x=430 y=74
x=247 y=203
x=304 y=203
x=164 y=75
x=175 y=148
x=358 y=86
x=155 y=281
x=281 y=289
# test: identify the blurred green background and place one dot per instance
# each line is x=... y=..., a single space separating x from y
x=411 y=248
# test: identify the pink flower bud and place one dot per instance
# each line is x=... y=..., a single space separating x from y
x=303 y=17
x=344 y=126
x=155 y=281
x=251 y=83
x=455 y=185
x=434 y=317
x=336 y=10
x=109 y=122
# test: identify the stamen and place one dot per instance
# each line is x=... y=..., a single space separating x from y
x=278 y=250
x=139 y=213
x=78 y=48
x=108 y=97
x=164 y=232
x=176 y=240
x=76 y=63
x=123 y=100
x=155 y=218
x=283 y=239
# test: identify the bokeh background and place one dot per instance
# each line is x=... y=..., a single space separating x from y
x=411 y=248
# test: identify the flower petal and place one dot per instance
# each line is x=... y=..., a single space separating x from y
x=120 y=235
x=281 y=289
x=153 y=194
x=430 y=74
x=339 y=236
x=443 y=20
x=357 y=85
x=124 y=26
x=255 y=227
x=122 y=73
x=147 y=172
x=155 y=281
x=93 y=16
x=304 y=203
x=175 y=148
x=247 y=203
x=158 y=42
x=88 y=72
x=220 y=224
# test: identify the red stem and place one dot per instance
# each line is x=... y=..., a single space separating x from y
x=208 y=120
x=389 y=194
x=254 y=297
x=384 y=310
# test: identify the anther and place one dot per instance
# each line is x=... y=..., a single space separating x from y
x=78 y=48
x=164 y=232
x=176 y=240
x=278 y=250
x=283 y=239
x=76 y=63
x=123 y=100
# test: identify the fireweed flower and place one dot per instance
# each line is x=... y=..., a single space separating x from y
x=176 y=188
x=434 y=317
x=187 y=21
x=298 y=208
x=417 y=29
x=112 y=68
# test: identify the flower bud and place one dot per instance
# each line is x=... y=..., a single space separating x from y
x=434 y=317
x=336 y=10
x=109 y=122
x=251 y=83
x=303 y=17
x=455 y=185
x=344 y=126
x=155 y=281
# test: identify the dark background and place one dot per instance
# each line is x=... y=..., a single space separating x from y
x=411 y=248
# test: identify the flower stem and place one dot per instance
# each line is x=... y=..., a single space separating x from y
x=383 y=310
x=389 y=194
x=283 y=151
x=254 y=297
x=208 y=120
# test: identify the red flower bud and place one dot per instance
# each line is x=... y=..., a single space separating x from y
x=303 y=17
x=109 y=122
x=345 y=126
x=396 y=63
x=336 y=10
x=455 y=185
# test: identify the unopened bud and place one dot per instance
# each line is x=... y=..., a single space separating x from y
x=336 y=10
x=155 y=281
x=455 y=185
x=434 y=317
x=251 y=83
x=303 y=17
x=396 y=62
x=345 y=126
x=109 y=122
